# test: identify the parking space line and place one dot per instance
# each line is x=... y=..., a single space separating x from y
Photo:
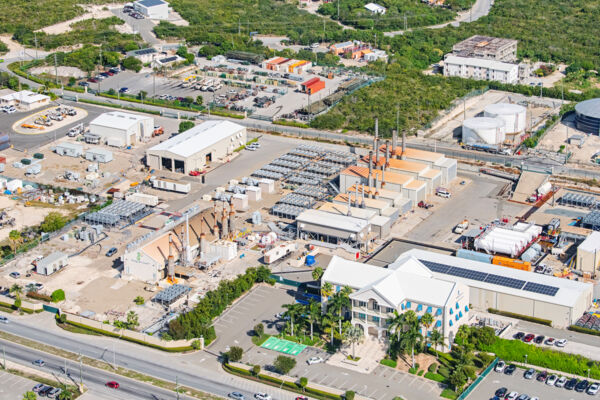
x=372 y=395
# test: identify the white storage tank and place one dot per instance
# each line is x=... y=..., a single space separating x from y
x=483 y=130
x=513 y=115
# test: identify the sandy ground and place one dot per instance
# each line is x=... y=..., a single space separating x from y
x=176 y=19
x=24 y=216
x=56 y=125
x=62 y=71
x=93 y=11
x=557 y=137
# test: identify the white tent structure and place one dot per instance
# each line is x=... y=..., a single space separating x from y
x=508 y=240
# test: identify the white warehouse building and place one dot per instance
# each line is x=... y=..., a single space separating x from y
x=153 y=9
x=195 y=148
x=120 y=129
x=481 y=69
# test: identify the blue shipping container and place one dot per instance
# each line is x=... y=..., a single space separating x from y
x=474 y=256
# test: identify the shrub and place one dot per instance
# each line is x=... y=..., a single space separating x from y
x=139 y=300
x=520 y=316
x=196 y=345
x=349 y=395
x=584 y=330
x=432 y=367
x=303 y=382
x=58 y=295
x=235 y=354
x=132 y=63
x=284 y=364
x=256 y=370
x=53 y=222
x=39 y=296
x=443 y=371
x=420 y=373
x=412 y=370
x=185 y=125
x=259 y=330
x=388 y=362
x=449 y=394
x=435 y=377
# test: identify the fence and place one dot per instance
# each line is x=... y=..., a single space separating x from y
x=455 y=103
x=280 y=279
x=472 y=387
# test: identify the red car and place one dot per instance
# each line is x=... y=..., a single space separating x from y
x=301 y=398
x=194 y=173
x=112 y=384
x=529 y=337
x=93 y=80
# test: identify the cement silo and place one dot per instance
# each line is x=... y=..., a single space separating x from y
x=483 y=130
x=513 y=115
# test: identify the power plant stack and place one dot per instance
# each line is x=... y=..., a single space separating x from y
x=362 y=197
x=171 y=261
x=387 y=154
x=376 y=141
x=203 y=242
x=403 y=157
x=224 y=225
x=376 y=195
x=348 y=213
x=394 y=142
x=232 y=227
x=370 y=181
x=356 y=195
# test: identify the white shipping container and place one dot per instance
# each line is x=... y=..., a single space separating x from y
x=280 y=251
x=171 y=185
x=143 y=198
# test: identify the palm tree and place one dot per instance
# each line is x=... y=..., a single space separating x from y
x=293 y=310
x=14 y=237
x=409 y=339
x=354 y=334
x=436 y=339
x=426 y=320
x=328 y=319
x=16 y=290
x=314 y=313
x=326 y=289
x=317 y=273
x=395 y=324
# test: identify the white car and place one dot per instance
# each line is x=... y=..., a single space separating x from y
x=561 y=382
x=262 y=396
x=500 y=366
x=314 y=360
x=551 y=380
x=593 y=389
x=561 y=343
x=3 y=320
x=314 y=45
x=512 y=396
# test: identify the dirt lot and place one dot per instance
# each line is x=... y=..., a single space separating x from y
x=93 y=11
x=557 y=137
x=24 y=216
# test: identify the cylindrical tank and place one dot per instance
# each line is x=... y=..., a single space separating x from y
x=483 y=130
x=513 y=115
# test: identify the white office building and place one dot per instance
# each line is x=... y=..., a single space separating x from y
x=481 y=69
x=120 y=129
x=153 y=9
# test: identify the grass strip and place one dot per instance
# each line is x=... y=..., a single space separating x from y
x=27 y=375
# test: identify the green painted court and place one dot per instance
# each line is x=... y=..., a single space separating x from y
x=283 y=346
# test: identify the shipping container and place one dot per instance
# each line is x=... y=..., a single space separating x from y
x=474 y=256
x=168 y=184
x=511 y=263
x=280 y=252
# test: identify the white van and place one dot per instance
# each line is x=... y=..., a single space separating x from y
x=443 y=193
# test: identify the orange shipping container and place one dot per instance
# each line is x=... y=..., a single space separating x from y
x=511 y=263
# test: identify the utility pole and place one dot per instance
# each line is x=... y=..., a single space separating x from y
x=239 y=27
x=323 y=29
x=405 y=22
x=154 y=78
x=177 y=386
x=464 y=109
x=4 y=356
x=80 y=372
x=55 y=69
x=338 y=9
x=36 y=47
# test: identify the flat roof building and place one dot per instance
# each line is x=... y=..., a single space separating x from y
x=120 y=129
x=312 y=86
x=394 y=181
x=332 y=228
x=51 y=263
x=375 y=8
x=25 y=100
x=197 y=147
x=437 y=161
x=153 y=9
x=487 y=47
x=481 y=69
x=144 y=55
x=588 y=254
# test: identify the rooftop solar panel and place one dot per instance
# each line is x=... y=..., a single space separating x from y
x=505 y=281
x=436 y=267
x=467 y=273
x=542 y=289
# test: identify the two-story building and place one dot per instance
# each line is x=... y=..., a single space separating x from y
x=404 y=285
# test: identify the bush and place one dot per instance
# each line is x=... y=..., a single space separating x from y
x=256 y=370
x=449 y=394
x=581 y=329
x=520 y=316
x=185 y=125
x=303 y=382
x=389 y=363
x=259 y=330
x=432 y=367
x=132 y=63
x=58 y=295
x=435 y=377
x=284 y=364
x=39 y=296
x=420 y=373
x=235 y=354
x=349 y=395
x=412 y=370
x=196 y=345
x=139 y=300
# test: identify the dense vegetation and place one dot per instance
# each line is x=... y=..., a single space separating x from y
x=197 y=322
x=353 y=13
x=35 y=14
x=90 y=31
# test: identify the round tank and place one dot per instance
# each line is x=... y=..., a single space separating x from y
x=483 y=130
x=587 y=116
x=513 y=115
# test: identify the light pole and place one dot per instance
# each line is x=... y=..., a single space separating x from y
x=525 y=358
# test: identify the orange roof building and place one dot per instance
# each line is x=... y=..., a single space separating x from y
x=436 y=161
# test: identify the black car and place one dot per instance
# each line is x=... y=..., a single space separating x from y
x=582 y=386
x=570 y=385
x=519 y=335
x=510 y=369
x=501 y=392
x=45 y=391
x=540 y=339
x=541 y=377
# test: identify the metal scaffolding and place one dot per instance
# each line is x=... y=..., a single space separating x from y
x=592 y=221
x=121 y=211
x=579 y=200
x=297 y=200
x=286 y=211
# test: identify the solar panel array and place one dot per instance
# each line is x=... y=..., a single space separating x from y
x=491 y=278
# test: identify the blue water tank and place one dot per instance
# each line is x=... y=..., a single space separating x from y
x=474 y=256
x=310 y=260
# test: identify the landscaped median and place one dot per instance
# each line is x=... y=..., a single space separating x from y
x=286 y=382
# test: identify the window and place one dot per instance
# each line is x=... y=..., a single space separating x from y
x=451 y=312
x=466 y=308
x=389 y=310
x=429 y=310
x=457 y=317
x=438 y=312
x=420 y=307
x=451 y=323
x=438 y=324
x=408 y=305
x=362 y=316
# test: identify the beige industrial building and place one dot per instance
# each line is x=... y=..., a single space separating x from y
x=120 y=129
x=332 y=228
x=51 y=263
x=195 y=148
x=419 y=171
x=405 y=285
x=588 y=254
x=25 y=100
x=437 y=161
x=408 y=186
x=559 y=300
x=380 y=225
x=393 y=198
x=481 y=69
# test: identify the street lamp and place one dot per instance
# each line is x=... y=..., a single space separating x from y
x=525 y=358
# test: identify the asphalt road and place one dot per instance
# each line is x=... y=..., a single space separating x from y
x=94 y=379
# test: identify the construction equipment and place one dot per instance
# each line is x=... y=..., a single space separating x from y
x=158 y=130
x=461 y=227
x=30 y=126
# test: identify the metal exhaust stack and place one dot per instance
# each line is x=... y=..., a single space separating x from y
x=356 y=195
x=362 y=200
x=171 y=260
x=376 y=142
x=348 y=213
x=224 y=227
x=387 y=154
x=394 y=142
x=403 y=145
x=370 y=168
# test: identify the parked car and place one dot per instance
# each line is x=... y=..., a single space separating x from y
x=262 y=396
x=424 y=205
x=93 y=80
x=501 y=392
x=519 y=335
x=14 y=274
x=550 y=341
x=124 y=90
x=301 y=398
x=512 y=396
x=539 y=339
x=111 y=252
x=314 y=360
x=593 y=389
x=104 y=74
x=529 y=337
x=529 y=373
x=38 y=387
x=45 y=390
x=561 y=343
x=551 y=380
x=523 y=396
x=561 y=382
x=194 y=173
x=582 y=386
x=39 y=363
x=112 y=384
x=443 y=193
x=510 y=369
x=500 y=366
x=541 y=376
x=236 y=396
x=53 y=394
x=570 y=385
x=83 y=83
x=3 y=320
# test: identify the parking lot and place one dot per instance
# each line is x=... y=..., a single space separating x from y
x=495 y=380
x=13 y=386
